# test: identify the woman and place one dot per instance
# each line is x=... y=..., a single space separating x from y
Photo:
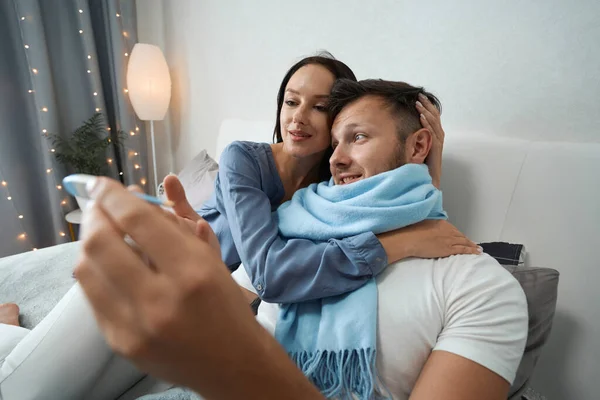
x=255 y=178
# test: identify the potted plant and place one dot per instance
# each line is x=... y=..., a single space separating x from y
x=85 y=150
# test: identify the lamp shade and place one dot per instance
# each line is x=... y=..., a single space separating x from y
x=148 y=82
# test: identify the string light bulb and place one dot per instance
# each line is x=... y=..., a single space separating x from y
x=109 y=160
x=49 y=170
x=118 y=15
x=9 y=198
x=89 y=71
x=80 y=11
x=34 y=70
x=44 y=130
x=35 y=249
x=81 y=31
x=52 y=150
x=132 y=133
x=30 y=91
x=126 y=54
x=26 y=46
x=97 y=109
x=137 y=166
x=135 y=153
x=143 y=181
x=4 y=183
x=20 y=217
x=126 y=90
x=59 y=187
x=22 y=18
x=45 y=109
x=64 y=202
x=89 y=57
x=137 y=128
x=121 y=173
x=125 y=34
x=22 y=236
x=95 y=93
x=61 y=234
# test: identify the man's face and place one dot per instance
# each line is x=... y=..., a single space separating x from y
x=365 y=141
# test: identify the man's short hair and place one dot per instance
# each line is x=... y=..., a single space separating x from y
x=399 y=96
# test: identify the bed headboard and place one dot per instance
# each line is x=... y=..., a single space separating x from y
x=544 y=195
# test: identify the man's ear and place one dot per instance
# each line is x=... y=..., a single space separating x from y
x=418 y=145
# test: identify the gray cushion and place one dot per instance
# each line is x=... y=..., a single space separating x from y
x=540 y=286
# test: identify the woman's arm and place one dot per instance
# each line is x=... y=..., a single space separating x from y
x=427 y=239
x=288 y=270
x=291 y=270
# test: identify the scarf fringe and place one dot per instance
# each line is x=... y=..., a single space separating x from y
x=343 y=374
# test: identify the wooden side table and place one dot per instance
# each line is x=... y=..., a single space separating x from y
x=73 y=218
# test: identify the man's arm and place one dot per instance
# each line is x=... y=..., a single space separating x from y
x=184 y=320
x=448 y=376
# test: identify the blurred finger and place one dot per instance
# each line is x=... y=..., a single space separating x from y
x=201 y=231
x=176 y=193
x=205 y=233
x=184 y=223
x=121 y=264
x=187 y=224
x=114 y=314
x=105 y=301
x=135 y=188
x=141 y=221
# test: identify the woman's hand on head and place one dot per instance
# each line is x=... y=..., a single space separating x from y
x=427 y=239
x=430 y=119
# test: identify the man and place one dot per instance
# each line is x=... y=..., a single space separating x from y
x=465 y=308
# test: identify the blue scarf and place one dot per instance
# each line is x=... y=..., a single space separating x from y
x=333 y=340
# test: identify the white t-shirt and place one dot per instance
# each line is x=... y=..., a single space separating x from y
x=467 y=305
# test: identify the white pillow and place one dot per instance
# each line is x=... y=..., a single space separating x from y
x=198 y=179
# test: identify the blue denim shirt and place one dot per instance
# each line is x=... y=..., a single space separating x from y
x=283 y=270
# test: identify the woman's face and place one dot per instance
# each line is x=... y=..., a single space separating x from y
x=304 y=120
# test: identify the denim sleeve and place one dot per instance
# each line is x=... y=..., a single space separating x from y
x=288 y=270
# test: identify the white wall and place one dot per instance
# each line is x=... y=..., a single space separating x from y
x=516 y=68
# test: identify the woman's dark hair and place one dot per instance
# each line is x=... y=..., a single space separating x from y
x=339 y=71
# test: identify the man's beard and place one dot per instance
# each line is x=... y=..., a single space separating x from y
x=400 y=158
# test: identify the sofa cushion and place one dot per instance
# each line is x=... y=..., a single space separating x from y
x=541 y=288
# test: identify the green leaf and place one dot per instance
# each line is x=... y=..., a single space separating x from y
x=85 y=149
